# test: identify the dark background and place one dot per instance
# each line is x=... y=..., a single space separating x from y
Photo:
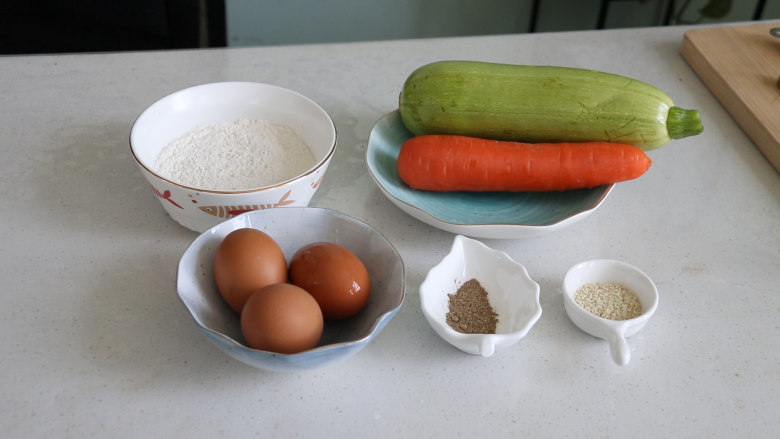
x=56 y=26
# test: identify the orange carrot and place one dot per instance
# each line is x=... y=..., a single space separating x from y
x=460 y=163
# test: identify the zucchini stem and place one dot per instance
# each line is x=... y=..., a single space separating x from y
x=683 y=123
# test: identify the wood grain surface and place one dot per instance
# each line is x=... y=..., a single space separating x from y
x=740 y=65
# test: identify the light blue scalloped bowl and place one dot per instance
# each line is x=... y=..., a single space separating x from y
x=492 y=215
x=292 y=228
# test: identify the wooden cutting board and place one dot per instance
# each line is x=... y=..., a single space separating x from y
x=741 y=65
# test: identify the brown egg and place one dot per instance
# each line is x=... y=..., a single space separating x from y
x=246 y=260
x=282 y=318
x=336 y=278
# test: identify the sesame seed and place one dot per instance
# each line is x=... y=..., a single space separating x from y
x=608 y=300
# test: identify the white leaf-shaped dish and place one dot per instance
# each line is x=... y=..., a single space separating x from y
x=511 y=292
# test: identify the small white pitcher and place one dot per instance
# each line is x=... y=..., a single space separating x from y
x=614 y=331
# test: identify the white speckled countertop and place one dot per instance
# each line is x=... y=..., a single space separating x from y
x=95 y=342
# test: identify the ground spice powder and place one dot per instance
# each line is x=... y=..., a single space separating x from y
x=470 y=311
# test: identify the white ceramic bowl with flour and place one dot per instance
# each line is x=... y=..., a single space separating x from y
x=236 y=148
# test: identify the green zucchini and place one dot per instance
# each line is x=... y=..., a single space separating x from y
x=540 y=104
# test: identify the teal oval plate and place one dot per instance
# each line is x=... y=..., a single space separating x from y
x=493 y=215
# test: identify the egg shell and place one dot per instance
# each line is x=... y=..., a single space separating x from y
x=335 y=276
x=282 y=318
x=247 y=260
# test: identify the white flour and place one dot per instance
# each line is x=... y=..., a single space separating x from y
x=245 y=154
